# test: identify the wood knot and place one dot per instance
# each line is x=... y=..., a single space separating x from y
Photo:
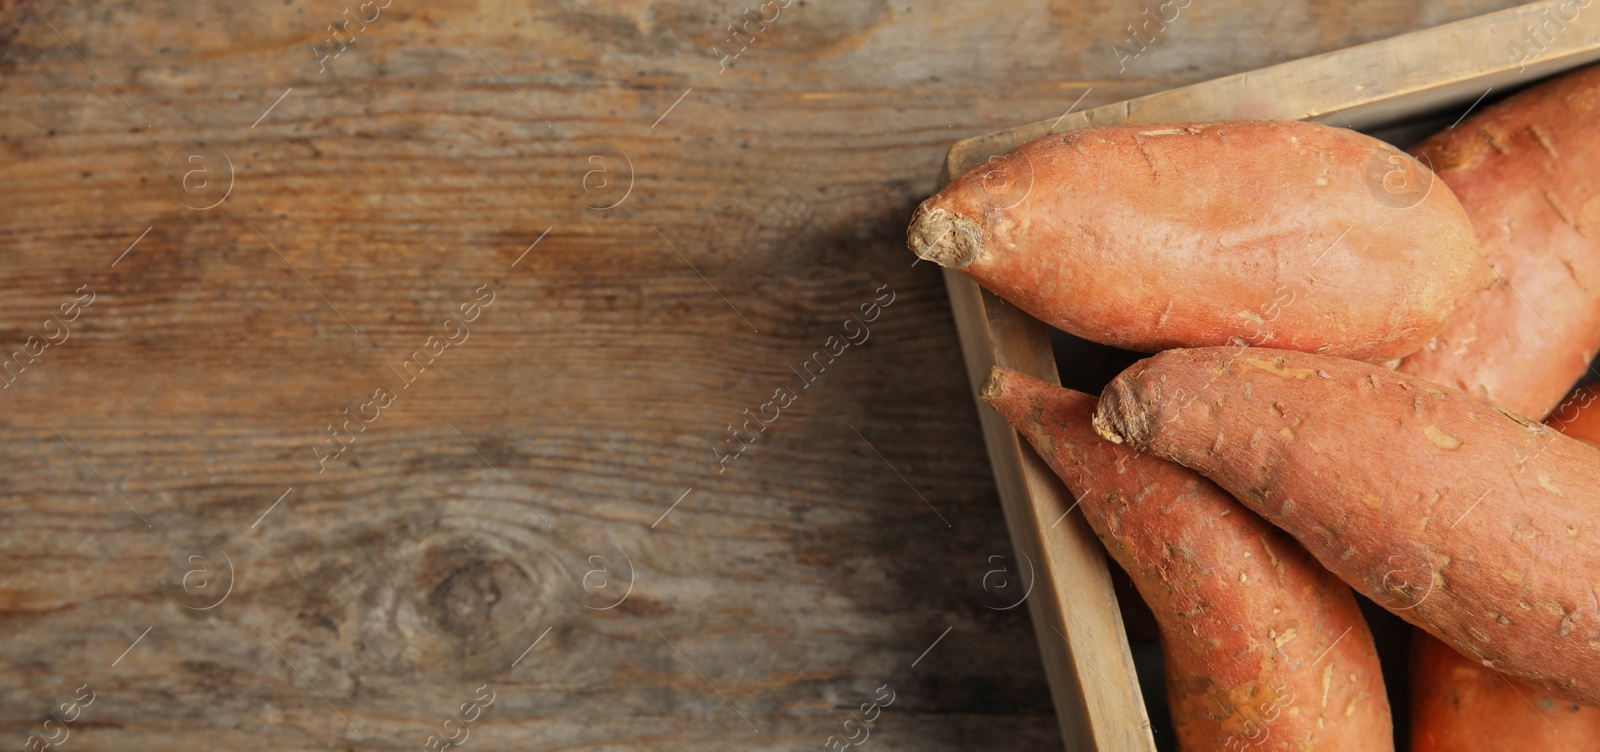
x=477 y=599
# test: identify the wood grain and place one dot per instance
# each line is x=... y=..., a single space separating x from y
x=380 y=594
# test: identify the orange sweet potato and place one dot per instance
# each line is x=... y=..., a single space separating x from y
x=1280 y=234
x=1461 y=706
x=1577 y=416
x=1476 y=524
x=1527 y=170
x=1458 y=705
x=1264 y=649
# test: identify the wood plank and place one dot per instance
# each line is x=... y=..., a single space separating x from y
x=1361 y=87
x=1097 y=695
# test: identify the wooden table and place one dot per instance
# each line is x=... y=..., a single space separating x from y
x=592 y=245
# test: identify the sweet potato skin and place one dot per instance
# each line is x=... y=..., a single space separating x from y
x=1527 y=171
x=1264 y=649
x=1473 y=523
x=1273 y=233
x=1578 y=416
x=1460 y=706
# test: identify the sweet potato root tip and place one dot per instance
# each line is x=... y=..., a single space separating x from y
x=1485 y=556
x=944 y=237
x=994 y=386
x=1120 y=418
x=1245 y=613
x=1178 y=255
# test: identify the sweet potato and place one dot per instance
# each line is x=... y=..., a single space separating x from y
x=1264 y=649
x=1461 y=706
x=1577 y=416
x=1281 y=234
x=1474 y=523
x=1527 y=170
x=1458 y=705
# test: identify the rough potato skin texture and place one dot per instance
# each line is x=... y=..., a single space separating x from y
x=1460 y=706
x=1476 y=524
x=1264 y=649
x=1527 y=170
x=1271 y=233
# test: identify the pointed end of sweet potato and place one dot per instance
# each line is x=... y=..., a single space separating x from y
x=1121 y=418
x=944 y=237
x=994 y=386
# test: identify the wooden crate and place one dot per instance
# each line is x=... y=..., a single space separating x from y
x=1398 y=89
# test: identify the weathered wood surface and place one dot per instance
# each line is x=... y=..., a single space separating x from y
x=374 y=198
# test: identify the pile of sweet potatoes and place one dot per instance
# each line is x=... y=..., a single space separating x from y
x=1354 y=348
